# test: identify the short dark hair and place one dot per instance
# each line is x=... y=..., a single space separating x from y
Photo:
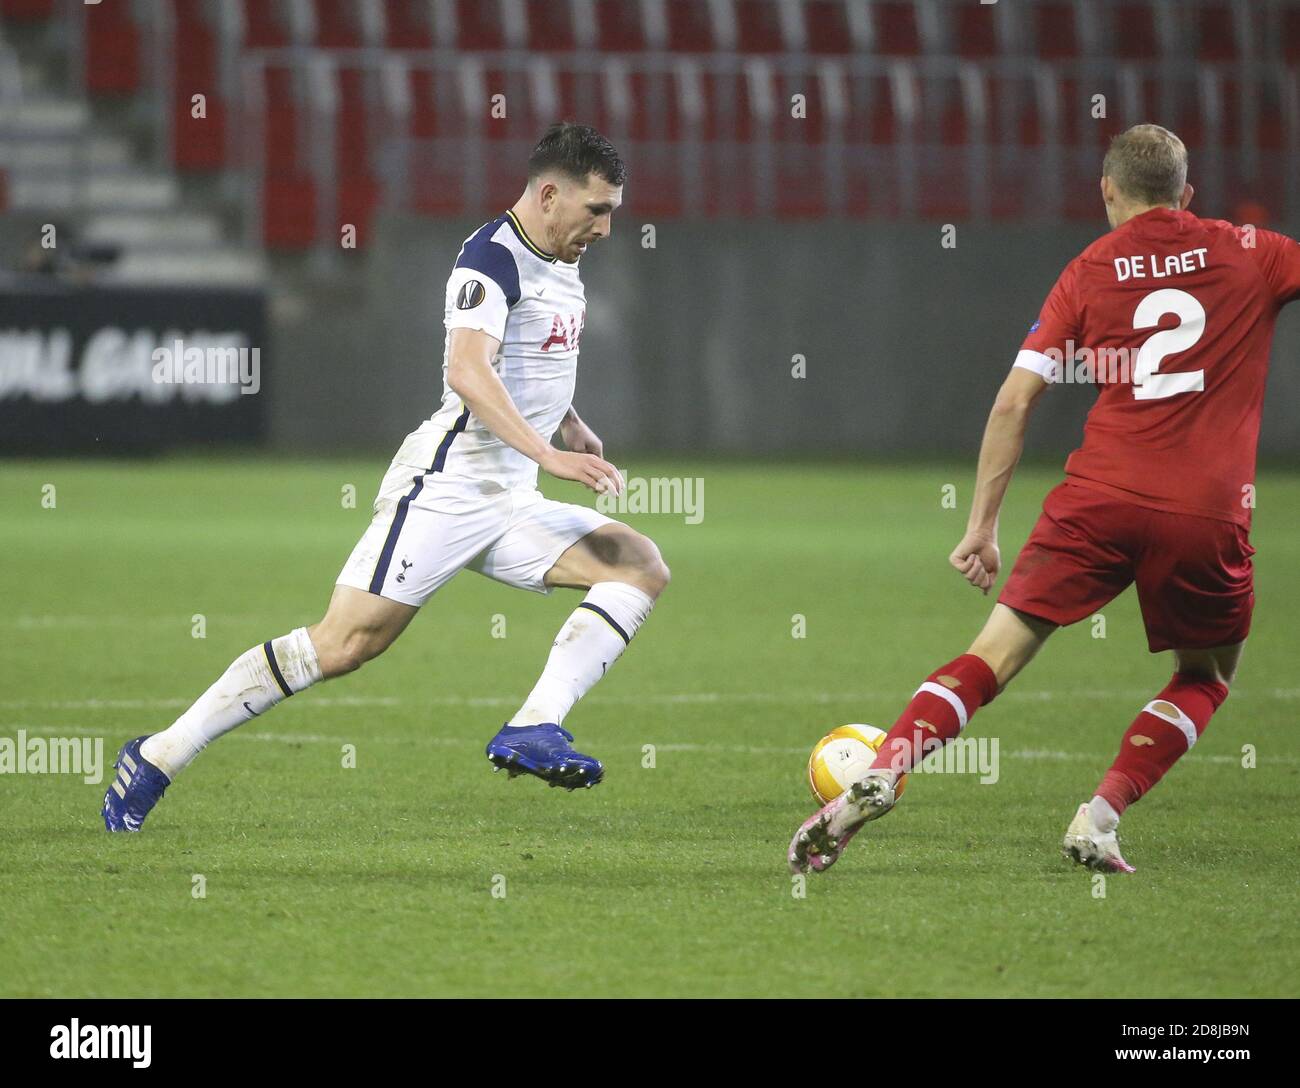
x=576 y=151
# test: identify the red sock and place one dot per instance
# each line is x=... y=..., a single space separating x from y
x=1167 y=727
x=938 y=711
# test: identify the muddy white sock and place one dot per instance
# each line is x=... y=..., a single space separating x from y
x=1103 y=814
x=255 y=682
x=590 y=641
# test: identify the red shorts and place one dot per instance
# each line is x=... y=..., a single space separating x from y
x=1194 y=575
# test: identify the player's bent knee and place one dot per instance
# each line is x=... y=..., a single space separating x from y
x=1217 y=666
x=647 y=565
x=342 y=654
x=1207 y=672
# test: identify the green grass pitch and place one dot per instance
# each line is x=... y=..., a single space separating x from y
x=379 y=880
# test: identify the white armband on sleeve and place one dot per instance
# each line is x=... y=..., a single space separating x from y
x=1044 y=366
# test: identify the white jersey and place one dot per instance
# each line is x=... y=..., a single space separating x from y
x=510 y=288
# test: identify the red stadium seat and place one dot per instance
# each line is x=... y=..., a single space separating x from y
x=728 y=110
x=550 y=26
x=975 y=30
x=690 y=27
x=281 y=120
x=1005 y=99
x=1133 y=31
x=336 y=26
x=198 y=143
x=195 y=48
x=581 y=98
x=406 y=25
x=827 y=25
x=603 y=98
x=357 y=199
x=425 y=117
x=800 y=190
x=289 y=211
x=860 y=199
x=437 y=183
x=478 y=25
x=112 y=43
x=872 y=117
x=520 y=121
x=811 y=127
x=1078 y=126
x=947 y=124
x=954 y=121
x=1029 y=131
x=351 y=125
x=944 y=187
x=1055 y=31
x=1216 y=32
x=655 y=113
x=262 y=27
x=896 y=29
x=656 y=172
x=619 y=26
x=759 y=26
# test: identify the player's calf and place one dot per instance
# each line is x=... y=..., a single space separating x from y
x=624 y=573
x=357 y=627
x=254 y=682
x=1164 y=731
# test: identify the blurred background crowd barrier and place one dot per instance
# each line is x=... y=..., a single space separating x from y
x=796 y=162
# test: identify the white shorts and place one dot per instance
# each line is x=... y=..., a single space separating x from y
x=427 y=528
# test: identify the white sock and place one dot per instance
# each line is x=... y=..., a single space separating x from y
x=255 y=682
x=1103 y=814
x=590 y=641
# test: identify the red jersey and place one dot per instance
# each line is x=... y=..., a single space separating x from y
x=1172 y=316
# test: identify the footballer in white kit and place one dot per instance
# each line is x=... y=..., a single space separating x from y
x=461 y=493
x=456 y=495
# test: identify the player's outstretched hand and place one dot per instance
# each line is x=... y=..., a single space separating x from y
x=977 y=559
x=586 y=469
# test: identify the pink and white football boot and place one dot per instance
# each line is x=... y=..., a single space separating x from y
x=823 y=836
x=1089 y=845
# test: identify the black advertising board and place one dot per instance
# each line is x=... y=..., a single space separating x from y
x=130 y=369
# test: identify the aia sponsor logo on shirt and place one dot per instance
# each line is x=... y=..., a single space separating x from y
x=565 y=332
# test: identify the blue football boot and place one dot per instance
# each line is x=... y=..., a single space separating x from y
x=136 y=788
x=543 y=750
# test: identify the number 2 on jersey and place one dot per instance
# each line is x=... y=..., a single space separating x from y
x=1147 y=383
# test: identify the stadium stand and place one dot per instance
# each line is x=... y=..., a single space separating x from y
x=320 y=112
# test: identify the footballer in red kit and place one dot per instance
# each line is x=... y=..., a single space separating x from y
x=1171 y=316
